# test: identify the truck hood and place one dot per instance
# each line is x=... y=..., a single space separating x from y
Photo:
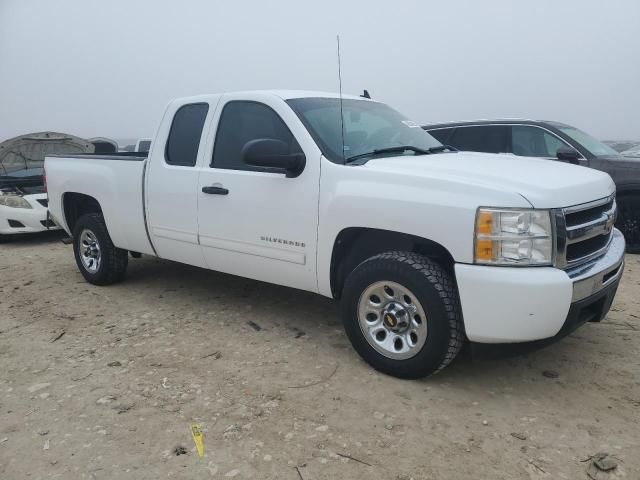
x=543 y=183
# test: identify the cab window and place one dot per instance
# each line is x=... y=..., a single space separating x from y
x=489 y=138
x=441 y=134
x=184 y=137
x=241 y=122
x=530 y=141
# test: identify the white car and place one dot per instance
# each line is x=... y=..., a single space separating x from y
x=23 y=203
x=348 y=198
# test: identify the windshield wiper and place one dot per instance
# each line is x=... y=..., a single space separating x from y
x=442 y=148
x=398 y=149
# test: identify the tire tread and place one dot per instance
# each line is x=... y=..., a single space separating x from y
x=447 y=291
x=445 y=311
x=114 y=259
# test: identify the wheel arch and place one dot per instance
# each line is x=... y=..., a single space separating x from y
x=353 y=245
x=628 y=220
x=630 y=189
x=77 y=204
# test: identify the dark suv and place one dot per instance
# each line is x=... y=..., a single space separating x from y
x=554 y=141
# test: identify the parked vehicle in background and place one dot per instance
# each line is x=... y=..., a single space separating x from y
x=632 y=152
x=104 y=145
x=621 y=145
x=424 y=247
x=554 y=141
x=23 y=201
x=143 y=145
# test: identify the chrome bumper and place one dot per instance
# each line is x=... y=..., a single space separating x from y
x=593 y=276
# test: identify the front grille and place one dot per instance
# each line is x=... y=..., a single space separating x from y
x=48 y=223
x=44 y=202
x=576 y=251
x=584 y=231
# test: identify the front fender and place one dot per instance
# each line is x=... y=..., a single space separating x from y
x=435 y=209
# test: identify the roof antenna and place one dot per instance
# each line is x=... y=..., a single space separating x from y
x=344 y=161
x=366 y=94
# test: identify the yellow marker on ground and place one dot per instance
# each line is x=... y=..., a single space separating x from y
x=198 y=438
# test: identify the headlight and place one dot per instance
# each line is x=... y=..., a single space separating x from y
x=14 y=201
x=513 y=237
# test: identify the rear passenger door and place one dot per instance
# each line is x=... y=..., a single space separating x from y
x=481 y=138
x=171 y=184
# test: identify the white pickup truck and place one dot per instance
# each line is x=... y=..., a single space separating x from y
x=424 y=246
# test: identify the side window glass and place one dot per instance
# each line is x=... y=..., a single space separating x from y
x=185 y=133
x=441 y=134
x=534 y=142
x=241 y=122
x=489 y=139
x=552 y=144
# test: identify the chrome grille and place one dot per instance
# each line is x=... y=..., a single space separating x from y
x=583 y=232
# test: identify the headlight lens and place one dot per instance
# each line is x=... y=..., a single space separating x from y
x=513 y=237
x=14 y=201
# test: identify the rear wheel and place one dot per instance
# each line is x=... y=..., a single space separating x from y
x=401 y=312
x=628 y=221
x=99 y=261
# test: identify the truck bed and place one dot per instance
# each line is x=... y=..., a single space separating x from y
x=115 y=181
x=128 y=156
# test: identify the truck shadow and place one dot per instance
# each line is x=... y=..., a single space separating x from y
x=32 y=239
x=299 y=313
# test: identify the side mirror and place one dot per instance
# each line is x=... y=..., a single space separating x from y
x=271 y=153
x=568 y=154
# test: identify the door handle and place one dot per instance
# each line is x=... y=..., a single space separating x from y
x=215 y=190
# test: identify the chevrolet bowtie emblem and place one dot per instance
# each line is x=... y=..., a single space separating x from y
x=390 y=320
x=610 y=221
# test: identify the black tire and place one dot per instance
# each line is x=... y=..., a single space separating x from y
x=113 y=261
x=628 y=221
x=437 y=293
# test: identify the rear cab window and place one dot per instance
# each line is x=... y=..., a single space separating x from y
x=185 y=133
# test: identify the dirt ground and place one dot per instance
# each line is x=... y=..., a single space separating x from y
x=105 y=382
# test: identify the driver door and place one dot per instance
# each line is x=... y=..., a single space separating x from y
x=255 y=222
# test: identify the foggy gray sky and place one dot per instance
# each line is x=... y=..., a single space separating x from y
x=107 y=68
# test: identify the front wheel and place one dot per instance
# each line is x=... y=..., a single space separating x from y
x=99 y=261
x=628 y=221
x=402 y=313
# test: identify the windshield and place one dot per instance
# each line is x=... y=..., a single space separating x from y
x=31 y=177
x=26 y=173
x=368 y=126
x=19 y=163
x=596 y=147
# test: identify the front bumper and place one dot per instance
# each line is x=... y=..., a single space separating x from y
x=26 y=220
x=511 y=304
